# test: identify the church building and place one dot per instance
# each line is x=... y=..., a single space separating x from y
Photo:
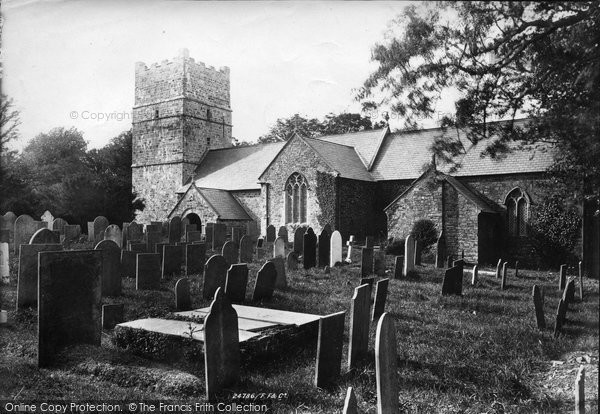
x=374 y=182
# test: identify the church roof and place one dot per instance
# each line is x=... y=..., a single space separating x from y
x=341 y=158
x=224 y=204
x=366 y=143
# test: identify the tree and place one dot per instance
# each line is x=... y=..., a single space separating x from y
x=506 y=59
x=9 y=122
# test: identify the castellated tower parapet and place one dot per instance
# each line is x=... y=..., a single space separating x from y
x=182 y=109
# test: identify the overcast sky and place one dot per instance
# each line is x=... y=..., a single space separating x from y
x=68 y=60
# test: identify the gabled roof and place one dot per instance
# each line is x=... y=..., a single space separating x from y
x=481 y=203
x=340 y=158
x=365 y=143
x=225 y=206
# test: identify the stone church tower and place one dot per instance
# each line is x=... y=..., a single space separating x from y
x=182 y=109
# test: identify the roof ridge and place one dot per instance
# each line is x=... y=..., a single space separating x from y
x=258 y=144
x=333 y=143
x=408 y=131
x=364 y=131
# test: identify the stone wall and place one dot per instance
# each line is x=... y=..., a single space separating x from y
x=252 y=203
x=193 y=202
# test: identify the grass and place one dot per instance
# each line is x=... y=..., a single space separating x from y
x=477 y=353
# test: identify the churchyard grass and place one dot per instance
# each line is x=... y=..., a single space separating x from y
x=481 y=352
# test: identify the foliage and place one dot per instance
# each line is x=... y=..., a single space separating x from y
x=342 y=123
x=555 y=231
x=326 y=196
x=424 y=231
x=10 y=120
x=506 y=60
x=395 y=247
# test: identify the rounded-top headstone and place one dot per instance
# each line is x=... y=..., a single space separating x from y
x=58 y=224
x=44 y=236
x=175 y=229
x=135 y=231
x=113 y=232
x=106 y=244
x=100 y=224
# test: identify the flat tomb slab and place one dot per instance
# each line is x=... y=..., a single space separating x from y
x=177 y=328
x=273 y=316
x=243 y=324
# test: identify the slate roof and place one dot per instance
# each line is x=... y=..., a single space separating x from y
x=224 y=204
x=341 y=158
x=366 y=143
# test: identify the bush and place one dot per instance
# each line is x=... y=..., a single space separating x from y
x=424 y=231
x=555 y=231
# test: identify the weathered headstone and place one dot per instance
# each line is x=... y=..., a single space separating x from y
x=230 y=252
x=504 y=275
x=183 y=299
x=44 y=236
x=299 y=240
x=100 y=225
x=324 y=248
x=47 y=217
x=25 y=227
x=560 y=318
x=128 y=260
x=111 y=267
x=252 y=229
x=236 y=282
x=381 y=289
x=265 y=282
x=246 y=249
x=358 y=343
x=4 y=266
x=215 y=274
x=474 y=275
x=335 y=248
x=283 y=233
x=270 y=233
x=379 y=262
x=409 y=255
x=193 y=236
x=113 y=232
x=134 y=231
x=281 y=279
x=219 y=233
x=152 y=239
x=366 y=261
x=221 y=346
x=172 y=260
x=195 y=258
x=309 y=249
x=398 y=265
x=292 y=260
x=329 y=349
x=452 y=284
x=385 y=366
x=350 y=405
x=27 y=285
x=147 y=271
x=174 y=229
x=111 y=315
x=538 y=304
x=562 y=277
x=58 y=224
x=580 y=268
x=69 y=301
x=498 y=269
x=580 y=391
x=208 y=233
x=236 y=235
x=369 y=242
x=440 y=254
x=418 y=252
x=138 y=247
x=90 y=231
x=279 y=247
x=72 y=232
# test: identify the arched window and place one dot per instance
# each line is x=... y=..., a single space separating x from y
x=295 y=196
x=517 y=209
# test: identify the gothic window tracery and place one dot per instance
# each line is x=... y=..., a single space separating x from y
x=295 y=198
x=517 y=208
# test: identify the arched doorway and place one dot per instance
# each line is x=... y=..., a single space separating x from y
x=192 y=218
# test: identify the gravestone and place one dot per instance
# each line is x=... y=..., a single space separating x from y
x=221 y=346
x=398 y=264
x=279 y=247
x=24 y=227
x=580 y=268
x=47 y=217
x=128 y=260
x=154 y=228
x=172 y=260
x=147 y=271
x=329 y=349
x=409 y=255
x=111 y=267
x=188 y=228
x=504 y=276
x=283 y=233
x=208 y=234
x=236 y=235
x=27 y=283
x=219 y=233
x=459 y=263
x=358 y=343
x=418 y=251
x=538 y=304
x=164 y=229
x=195 y=258
x=44 y=236
x=69 y=302
x=252 y=229
x=366 y=261
x=158 y=248
x=498 y=269
x=4 y=266
x=7 y=224
x=292 y=260
x=265 y=282
x=299 y=240
x=183 y=299
x=100 y=225
x=379 y=262
x=270 y=233
x=449 y=260
x=350 y=405
x=369 y=242
x=580 y=391
x=474 y=275
x=335 y=248
x=236 y=282
x=440 y=254
x=58 y=224
x=112 y=315
x=113 y=232
x=193 y=236
x=560 y=318
x=381 y=289
x=246 y=249
x=215 y=274
x=562 y=278
x=452 y=284
x=281 y=279
x=324 y=248
x=174 y=230
x=230 y=252
x=90 y=231
x=309 y=249
x=138 y=247
x=124 y=235
x=72 y=232
x=134 y=231
x=350 y=244
x=386 y=366
x=152 y=239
